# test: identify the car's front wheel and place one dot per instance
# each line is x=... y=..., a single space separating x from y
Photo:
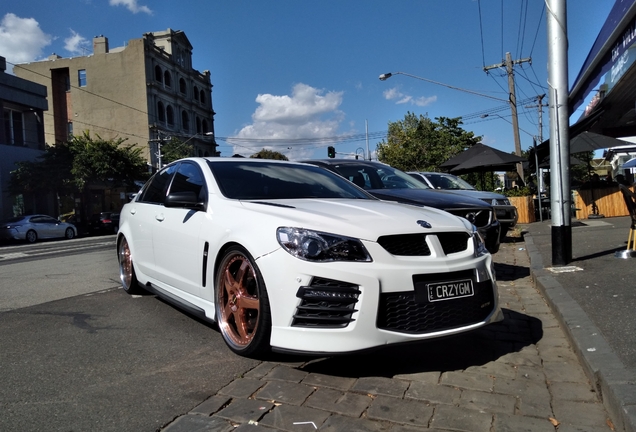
x=31 y=236
x=127 y=269
x=242 y=305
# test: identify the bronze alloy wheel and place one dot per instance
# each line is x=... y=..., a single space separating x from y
x=126 y=268
x=241 y=303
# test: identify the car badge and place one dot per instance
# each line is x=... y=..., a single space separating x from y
x=424 y=224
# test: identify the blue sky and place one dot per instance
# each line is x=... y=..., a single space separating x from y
x=297 y=70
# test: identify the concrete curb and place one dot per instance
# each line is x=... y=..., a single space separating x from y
x=615 y=383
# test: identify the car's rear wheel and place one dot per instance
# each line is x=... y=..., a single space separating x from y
x=31 y=236
x=69 y=233
x=127 y=269
x=242 y=305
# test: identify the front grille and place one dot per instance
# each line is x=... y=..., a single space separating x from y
x=405 y=244
x=453 y=242
x=479 y=217
x=401 y=313
x=326 y=303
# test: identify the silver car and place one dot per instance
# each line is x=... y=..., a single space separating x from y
x=34 y=227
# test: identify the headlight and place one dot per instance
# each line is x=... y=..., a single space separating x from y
x=319 y=246
x=478 y=241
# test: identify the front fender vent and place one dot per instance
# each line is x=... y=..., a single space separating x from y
x=326 y=303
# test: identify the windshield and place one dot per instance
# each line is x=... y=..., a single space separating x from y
x=378 y=177
x=447 y=181
x=271 y=180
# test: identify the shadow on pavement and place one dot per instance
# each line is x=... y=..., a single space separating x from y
x=453 y=353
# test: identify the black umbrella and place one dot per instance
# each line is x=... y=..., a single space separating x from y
x=481 y=158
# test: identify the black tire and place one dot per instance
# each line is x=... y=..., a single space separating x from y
x=69 y=233
x=31 y=236
x=127 y=275
x=242 y=306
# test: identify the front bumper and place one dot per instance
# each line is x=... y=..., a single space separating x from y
x=381 y=297
x=507 y=215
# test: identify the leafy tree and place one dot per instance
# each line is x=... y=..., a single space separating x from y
x=418 y=143
x=105 y=161
x=72 y=166
x=269 y=154
x=176 y=149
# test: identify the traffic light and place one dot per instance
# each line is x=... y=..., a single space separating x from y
x=331 y=152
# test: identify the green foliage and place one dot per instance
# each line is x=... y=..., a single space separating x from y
x=517 y=192
x=176 y=149
x=269 y=154
x=77 y=163
x=421 y=144
x=105 y=161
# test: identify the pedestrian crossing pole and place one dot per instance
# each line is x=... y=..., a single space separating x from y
x=560 y=195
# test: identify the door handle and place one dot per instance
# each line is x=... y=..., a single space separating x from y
x=159 y=217
x=133 y=211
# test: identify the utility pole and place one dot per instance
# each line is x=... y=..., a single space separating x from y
x=159 y=140
x=560 y=194
x=512 y=100
x=540 y=106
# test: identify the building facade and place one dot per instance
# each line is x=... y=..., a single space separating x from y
x=22 y=107
x=144 y=92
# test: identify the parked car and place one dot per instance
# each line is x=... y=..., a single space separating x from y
x=34 y=227
x=506 y=212
x=391 y=184
x=294 y=258
x=104 y=223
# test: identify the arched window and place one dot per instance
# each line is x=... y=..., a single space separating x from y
x=198 y=122
x=185 y=121
x=167 y=79
x=170 y=116
x=161 y=113
x=182 y=86
x=196 y=93
x=158 y=74
x=202 y=97
x=204 y=126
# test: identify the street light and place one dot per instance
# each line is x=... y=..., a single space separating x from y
x=386 y=76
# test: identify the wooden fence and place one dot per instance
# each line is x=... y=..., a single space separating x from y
x=525 y=208
x=608 y=200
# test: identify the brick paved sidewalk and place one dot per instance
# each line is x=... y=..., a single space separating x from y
x=518 y=375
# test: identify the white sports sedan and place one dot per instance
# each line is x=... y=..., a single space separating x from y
x=294 y=258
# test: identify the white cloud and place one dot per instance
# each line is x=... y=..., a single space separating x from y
x=306 y=113
x=401 y=98
x=131 y=5
x=21 y=39
x=76 y=44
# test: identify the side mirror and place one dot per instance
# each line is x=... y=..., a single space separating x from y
x=185 y=199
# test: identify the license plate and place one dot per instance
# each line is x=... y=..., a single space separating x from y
x=449 y=290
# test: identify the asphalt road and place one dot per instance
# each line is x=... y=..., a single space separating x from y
x=80 y=354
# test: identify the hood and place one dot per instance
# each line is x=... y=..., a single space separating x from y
x=429 y=197
x=478 y=194
x=359 y=218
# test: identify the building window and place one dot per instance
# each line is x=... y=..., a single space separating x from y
x=198 y=123
x=185 y=121
x=161 y=112
x=202 y=97
x=167 y=79
x=158 y=74
x=204 y=126
x=182 y=86
x=81 y=77
x=69 y=129
x=170 y=115
x=196 y=93
x=13 y=127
